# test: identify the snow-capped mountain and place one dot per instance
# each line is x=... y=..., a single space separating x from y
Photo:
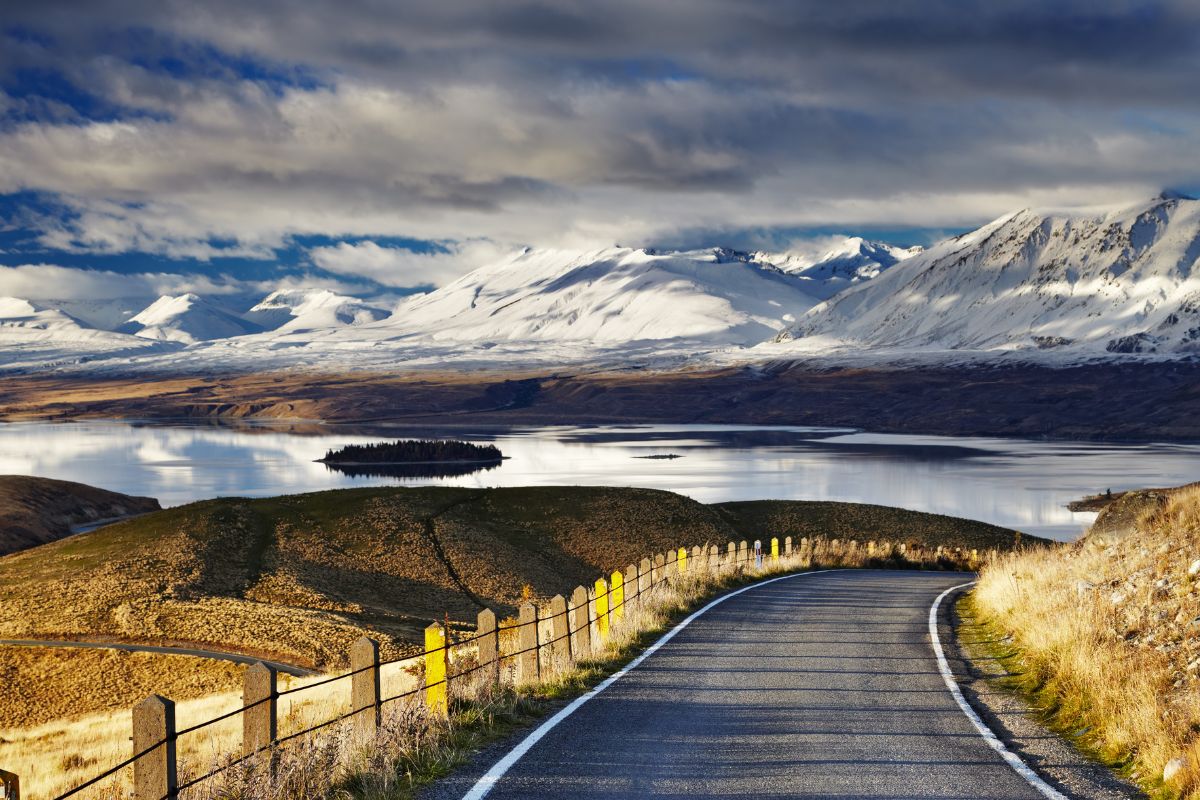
x=35 y=334
x=828 y=267
x=187 y=318
x=311 y=309
x=610 y=296
x=1071 y=284
x=106 y=315
x=1118 y=281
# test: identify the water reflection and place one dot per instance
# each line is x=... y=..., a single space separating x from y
x=1015 y=483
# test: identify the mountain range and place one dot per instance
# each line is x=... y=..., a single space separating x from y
x=1074 y=284
x=1088 y=282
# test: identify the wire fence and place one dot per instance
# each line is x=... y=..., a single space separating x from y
x=155 y=736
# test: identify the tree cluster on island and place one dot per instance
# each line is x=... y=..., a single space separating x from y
x=413 y=451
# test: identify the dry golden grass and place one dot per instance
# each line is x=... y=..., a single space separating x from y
x=54 y=757
x=1109 y=636
x=42 y=684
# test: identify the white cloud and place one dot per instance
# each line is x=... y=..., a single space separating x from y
x=395 y=266
x=586 y=124
x=53 y=282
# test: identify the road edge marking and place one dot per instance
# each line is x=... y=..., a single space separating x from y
x=497 y=771
x=1012 y=759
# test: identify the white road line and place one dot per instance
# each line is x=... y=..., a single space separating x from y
x=1014 y=761
x=493 y=775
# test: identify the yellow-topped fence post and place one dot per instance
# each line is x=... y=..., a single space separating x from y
x=682 y=559
x=437 y=658
x=602 y=610
x=617 y=591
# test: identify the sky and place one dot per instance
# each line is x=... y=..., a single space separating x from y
x=372 y=146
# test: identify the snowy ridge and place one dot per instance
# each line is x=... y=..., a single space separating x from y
x=311 y=309
x=833 y=267
x=1116 y=281
x=610 y=296
x=187 y=319
x=35 y=335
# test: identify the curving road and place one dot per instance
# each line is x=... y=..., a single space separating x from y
x=818 y=686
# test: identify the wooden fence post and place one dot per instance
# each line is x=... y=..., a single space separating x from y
x=527 y=638
x=10 y=786
x=488 y=643
x=660 y=568
x=601 y=611
x=437 y=671
x=616 y=593
x=633 y=588
x=743 y=553
x=364 y=688
x=787 y=547
x=155 y=774
x=560 y=639
x=672 y=565
x=698 y=557
x=731 y=556
x=259 y=695
x=581 y=626
x=714 y=558
x=645 y=580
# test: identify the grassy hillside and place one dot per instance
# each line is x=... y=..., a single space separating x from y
x=298 y=578
x=34 y=511
x=798 y=518
x=1107 y=637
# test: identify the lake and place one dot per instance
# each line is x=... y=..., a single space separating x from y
x=1010 y=482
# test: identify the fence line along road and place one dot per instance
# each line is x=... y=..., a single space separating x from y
x=540 y=644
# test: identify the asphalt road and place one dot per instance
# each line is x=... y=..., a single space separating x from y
x=818 y=686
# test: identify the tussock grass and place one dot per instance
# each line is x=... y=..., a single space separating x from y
x=56 y=756
x=1106 y=638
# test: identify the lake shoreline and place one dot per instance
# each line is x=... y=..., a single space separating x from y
x=1115 y=402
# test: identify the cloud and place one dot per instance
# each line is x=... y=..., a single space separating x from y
x=53 y=282
x=400 y=267
x=226 y=130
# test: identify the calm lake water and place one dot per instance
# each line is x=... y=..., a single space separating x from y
x=1015 y=483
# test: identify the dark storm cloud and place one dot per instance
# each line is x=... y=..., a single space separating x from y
x=166 y=124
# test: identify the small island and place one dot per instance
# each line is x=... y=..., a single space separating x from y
x=413 y=458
